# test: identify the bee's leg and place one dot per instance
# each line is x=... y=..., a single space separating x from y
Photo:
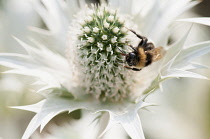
x=139 y=36
x=123 y=54
x=121 y=62
x=149 y=46
x=132 y=48
x=135 y=69
x=143 y=41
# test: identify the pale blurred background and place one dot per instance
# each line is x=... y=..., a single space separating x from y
x=184 y=111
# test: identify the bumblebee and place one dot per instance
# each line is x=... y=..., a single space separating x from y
x=143 y=55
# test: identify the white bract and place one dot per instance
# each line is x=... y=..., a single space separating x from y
x=110 y=18
x=114 y=39
x=87 y=73
x=124 y=30
x=121 y=20
x=100 y=45
x=115 y=30
x=111 y=11
x=100 y=13
x=106 y=25
x=95 y=29
x=90 y=39
x=87 y=29
x=89 y=19
x=104 y=37
x=123 y=40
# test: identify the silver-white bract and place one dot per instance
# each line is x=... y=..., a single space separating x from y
x=48 y=64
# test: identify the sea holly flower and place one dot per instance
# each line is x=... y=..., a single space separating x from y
x=86 y=74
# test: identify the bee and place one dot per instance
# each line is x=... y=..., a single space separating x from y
x=143 y=55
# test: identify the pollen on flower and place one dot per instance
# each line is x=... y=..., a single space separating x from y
x=97 y=48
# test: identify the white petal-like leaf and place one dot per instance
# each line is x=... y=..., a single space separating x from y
x=191 y=53
x=132 y=125
x=24 y=65
x=126 y=114
x=16 y=61
x=49 y=108
x=45 y=57
x=48 y=80
x=33 y=108
x=199 y=20
x=153 y=12
x=53 y=16
x=128 y=118
x=153 y=86
x=125 y=6
x=172 y=9
x=109 y=125
x=176 y=73
x=193 y=66
x=173 y=52
x=51 y=68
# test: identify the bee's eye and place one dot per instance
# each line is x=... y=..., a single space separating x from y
x=131 y=58
x=132 y=55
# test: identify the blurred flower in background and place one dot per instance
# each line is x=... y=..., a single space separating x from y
x=181 y=104
x=15 y=17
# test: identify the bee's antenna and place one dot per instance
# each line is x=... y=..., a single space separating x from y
x=130 y=30
x=122 y=52
x=127 y=27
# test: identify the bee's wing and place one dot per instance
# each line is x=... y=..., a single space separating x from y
x=157 y=53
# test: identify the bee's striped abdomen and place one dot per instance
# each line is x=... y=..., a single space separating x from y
x=143 y=58
x=149 y=59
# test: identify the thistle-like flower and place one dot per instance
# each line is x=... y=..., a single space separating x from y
x=97 y=56
x=86 y=74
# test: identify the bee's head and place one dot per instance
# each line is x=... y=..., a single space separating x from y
x=131 y=59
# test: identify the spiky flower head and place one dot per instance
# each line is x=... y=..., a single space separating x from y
x=97 y=48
